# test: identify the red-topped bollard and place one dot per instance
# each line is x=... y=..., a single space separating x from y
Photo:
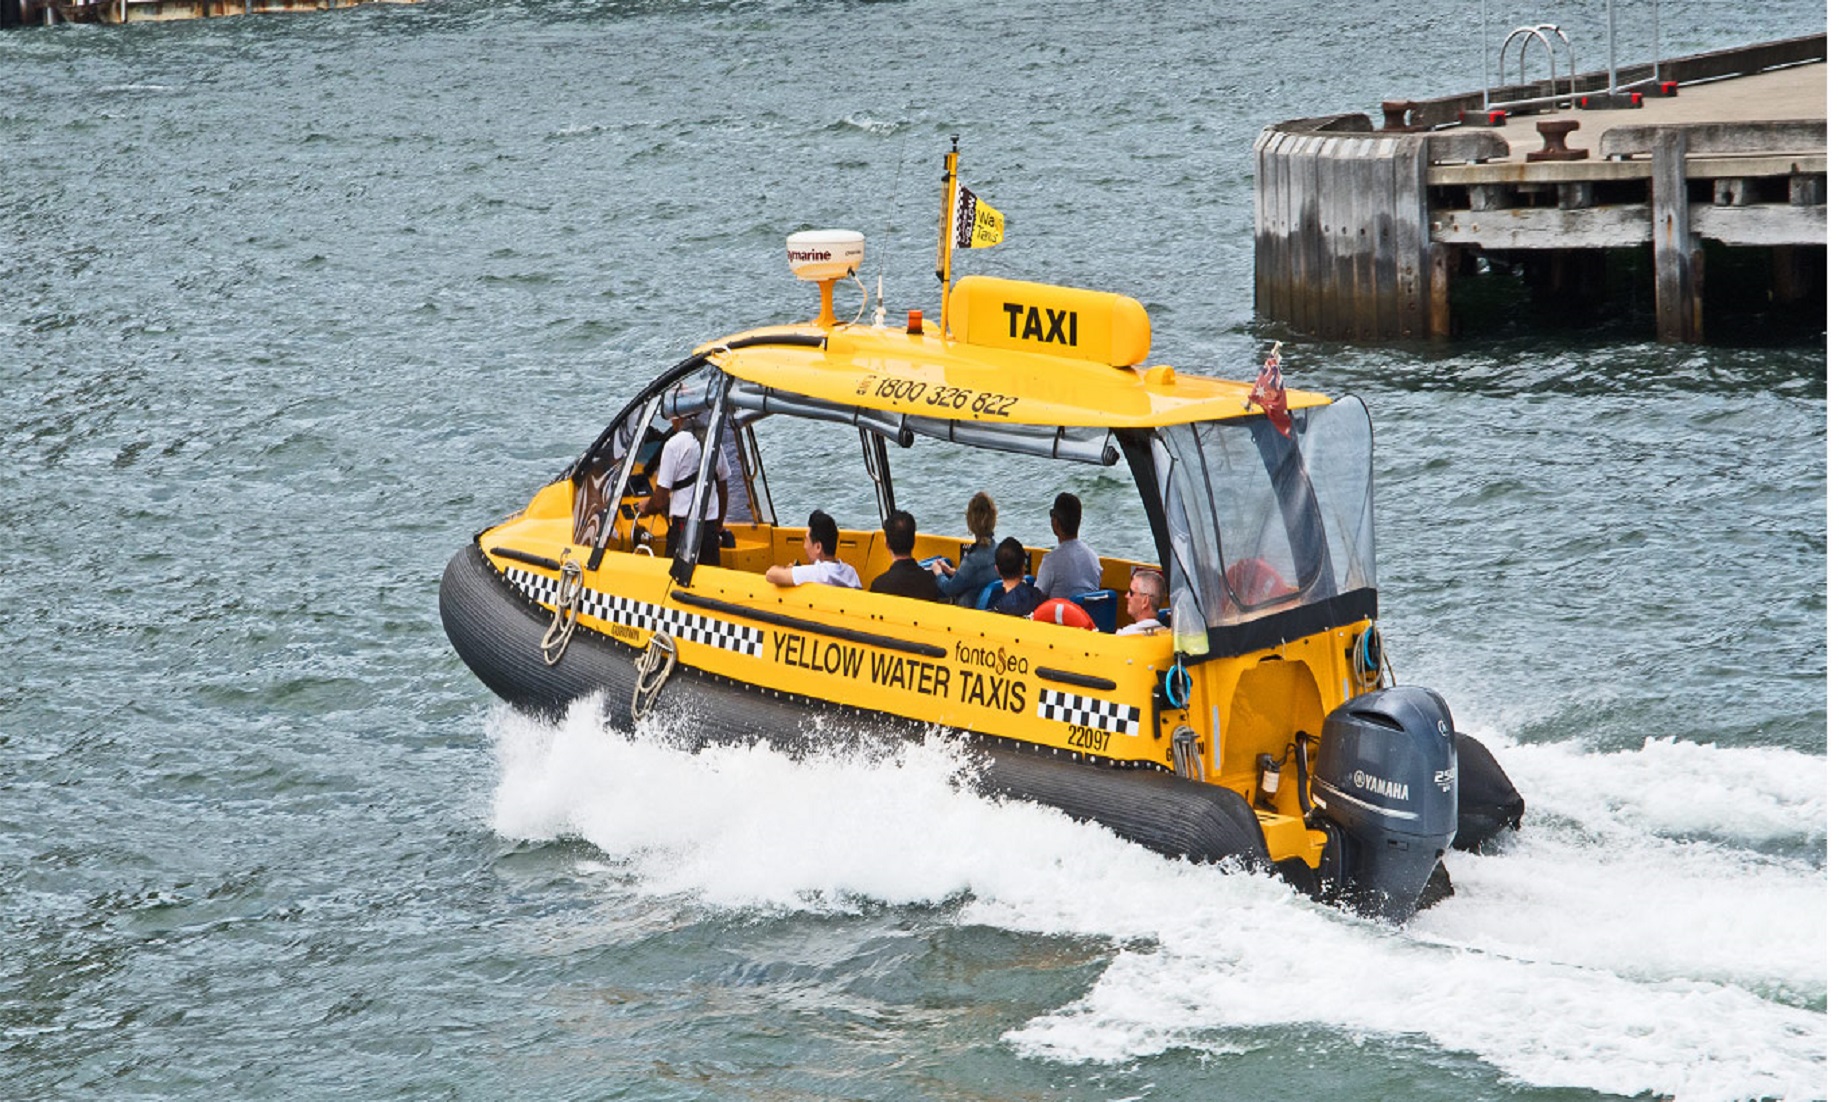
x=1554 y=132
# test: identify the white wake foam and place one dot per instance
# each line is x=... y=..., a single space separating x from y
x=1617 y=944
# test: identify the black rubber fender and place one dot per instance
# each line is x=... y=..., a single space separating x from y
x=498 y=633
x=1486 y=800
x=1159 y=811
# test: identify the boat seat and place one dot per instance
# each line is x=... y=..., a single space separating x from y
x=1101 y=606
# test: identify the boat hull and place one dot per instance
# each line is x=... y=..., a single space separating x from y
x=498 y=632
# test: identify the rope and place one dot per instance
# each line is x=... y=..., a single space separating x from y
x=655 y=666
x=864 y=307
x=1186 y=754
x=1369 y=657
x=568 y=600
x=1177 y=684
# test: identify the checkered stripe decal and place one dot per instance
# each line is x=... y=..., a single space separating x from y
x=1086 y=711
x=688 y=626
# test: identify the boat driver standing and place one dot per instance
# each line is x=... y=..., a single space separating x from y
x=676 y=480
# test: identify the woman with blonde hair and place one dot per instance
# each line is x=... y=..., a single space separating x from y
x=962 y=584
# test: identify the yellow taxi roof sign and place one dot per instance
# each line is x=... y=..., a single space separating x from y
x=1039 y=317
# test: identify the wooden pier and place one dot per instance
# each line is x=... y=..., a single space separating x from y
x=1362 y=234
x=16 y=13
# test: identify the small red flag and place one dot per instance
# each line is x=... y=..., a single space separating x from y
x=1268 y=393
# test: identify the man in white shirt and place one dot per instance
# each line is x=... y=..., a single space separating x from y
x=824 y=568
x=675 y=476
x=1072 y=567
x=1147 y=592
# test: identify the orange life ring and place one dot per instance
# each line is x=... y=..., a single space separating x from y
x=1255 y=582
x=1065 y=613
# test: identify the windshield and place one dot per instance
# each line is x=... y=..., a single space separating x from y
x=630 y=445
x=1260 y=522
x=1249 y=523
x=609 y=460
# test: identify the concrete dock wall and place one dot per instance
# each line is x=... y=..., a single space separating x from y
x=1341 y=236
x=1361 y=234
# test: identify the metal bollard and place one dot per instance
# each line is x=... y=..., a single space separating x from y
x=1554 y=131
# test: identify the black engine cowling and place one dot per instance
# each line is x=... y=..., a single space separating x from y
x=1385 y=779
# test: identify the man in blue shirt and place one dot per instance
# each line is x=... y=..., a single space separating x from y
x=1017 y=598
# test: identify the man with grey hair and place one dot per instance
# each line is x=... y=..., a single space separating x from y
x=1147 y=592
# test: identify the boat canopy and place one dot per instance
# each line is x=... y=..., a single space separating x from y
x=923 y=376
x=1264 y=535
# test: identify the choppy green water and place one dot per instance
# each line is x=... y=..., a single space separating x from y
x=290 y=307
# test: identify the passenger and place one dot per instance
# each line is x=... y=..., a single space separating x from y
x=1147 y=592
x=962 y=584
x=676 y=480
x=740 y=505
x=904 y=577
x=1071 y=567
x=820 y=548
x=1018 y=598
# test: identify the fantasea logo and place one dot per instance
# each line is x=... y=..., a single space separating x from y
x=997 y=661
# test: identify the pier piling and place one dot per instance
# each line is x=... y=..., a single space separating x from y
x=1679 y=259
x=1364 y=234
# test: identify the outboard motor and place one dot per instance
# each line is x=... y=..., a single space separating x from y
x=1385 y=776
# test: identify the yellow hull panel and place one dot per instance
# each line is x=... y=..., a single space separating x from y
x=1091 y=695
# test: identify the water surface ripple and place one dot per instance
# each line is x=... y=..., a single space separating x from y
x=290 y=307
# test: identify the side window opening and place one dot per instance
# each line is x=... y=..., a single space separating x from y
x=813 y=465
x=934 y=481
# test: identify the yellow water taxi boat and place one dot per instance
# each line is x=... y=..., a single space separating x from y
x=1258 y=728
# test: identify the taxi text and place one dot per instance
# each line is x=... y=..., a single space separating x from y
x=1032 y=323
x=913 y=675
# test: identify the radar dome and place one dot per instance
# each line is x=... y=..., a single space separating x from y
x=820 y=255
